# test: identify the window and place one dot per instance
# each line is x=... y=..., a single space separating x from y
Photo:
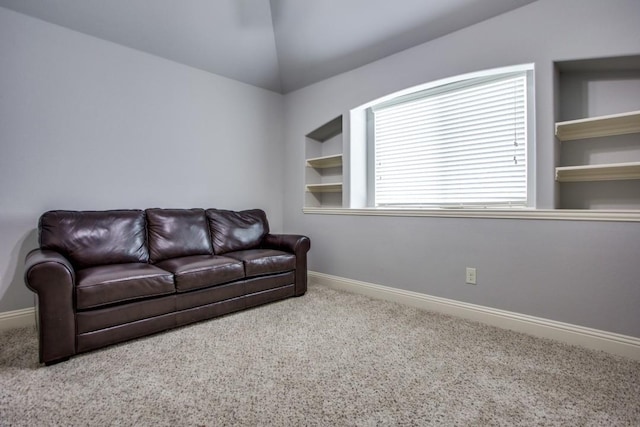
x=464 y=143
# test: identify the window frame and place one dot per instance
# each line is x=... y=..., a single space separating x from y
x=453 y=83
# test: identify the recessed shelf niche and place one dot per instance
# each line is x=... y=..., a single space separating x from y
x=323 y=165
x=598 y=132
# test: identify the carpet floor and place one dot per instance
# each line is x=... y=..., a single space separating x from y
x=326 y=359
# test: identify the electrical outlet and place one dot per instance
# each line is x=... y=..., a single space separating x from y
x=471 y=275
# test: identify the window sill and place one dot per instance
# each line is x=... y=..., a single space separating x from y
x=551 y=214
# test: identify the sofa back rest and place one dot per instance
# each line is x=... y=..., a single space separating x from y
x=236 y=231
x=88 y=238
x=176 y=233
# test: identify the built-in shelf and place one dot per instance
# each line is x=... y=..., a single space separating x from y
x=324 y=188
x=604 y=172
x=325 y=161
x=594 y=127
x=327 y=130
x=598 y=110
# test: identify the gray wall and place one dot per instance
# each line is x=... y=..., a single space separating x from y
x=583 y=273
x=88 y=124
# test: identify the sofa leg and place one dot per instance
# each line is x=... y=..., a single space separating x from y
x=55 y=362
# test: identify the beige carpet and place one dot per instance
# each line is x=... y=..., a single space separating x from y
x=330 y=359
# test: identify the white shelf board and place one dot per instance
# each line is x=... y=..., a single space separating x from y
x=325 y=188
x=604 y=172
x=325 y=161
x=327 y=130
x=594 y=127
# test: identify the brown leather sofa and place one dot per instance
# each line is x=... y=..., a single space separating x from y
x=109 y=276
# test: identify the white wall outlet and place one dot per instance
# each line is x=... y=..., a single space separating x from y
x=471 y=275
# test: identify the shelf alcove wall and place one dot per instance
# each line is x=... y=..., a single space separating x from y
x=598 y=133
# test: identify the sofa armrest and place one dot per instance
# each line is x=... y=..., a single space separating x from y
x=36 y=258
x=52 y=277
x=287 y=242
x=297 y=245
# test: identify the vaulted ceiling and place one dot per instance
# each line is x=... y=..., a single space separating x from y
x=280 y=45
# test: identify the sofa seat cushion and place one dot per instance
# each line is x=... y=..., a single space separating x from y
x=201 y=271
x=110 y=284
x=258 y=262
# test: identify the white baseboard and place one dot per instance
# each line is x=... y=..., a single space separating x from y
x=17 y=318
x=622 y=345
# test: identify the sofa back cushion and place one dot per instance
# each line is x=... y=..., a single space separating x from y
x=236 y=231
x=88 y=238
x=176 y=233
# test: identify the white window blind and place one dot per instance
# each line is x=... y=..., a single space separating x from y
x=454 y=146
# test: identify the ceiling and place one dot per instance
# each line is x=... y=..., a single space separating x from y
x=279 y=45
